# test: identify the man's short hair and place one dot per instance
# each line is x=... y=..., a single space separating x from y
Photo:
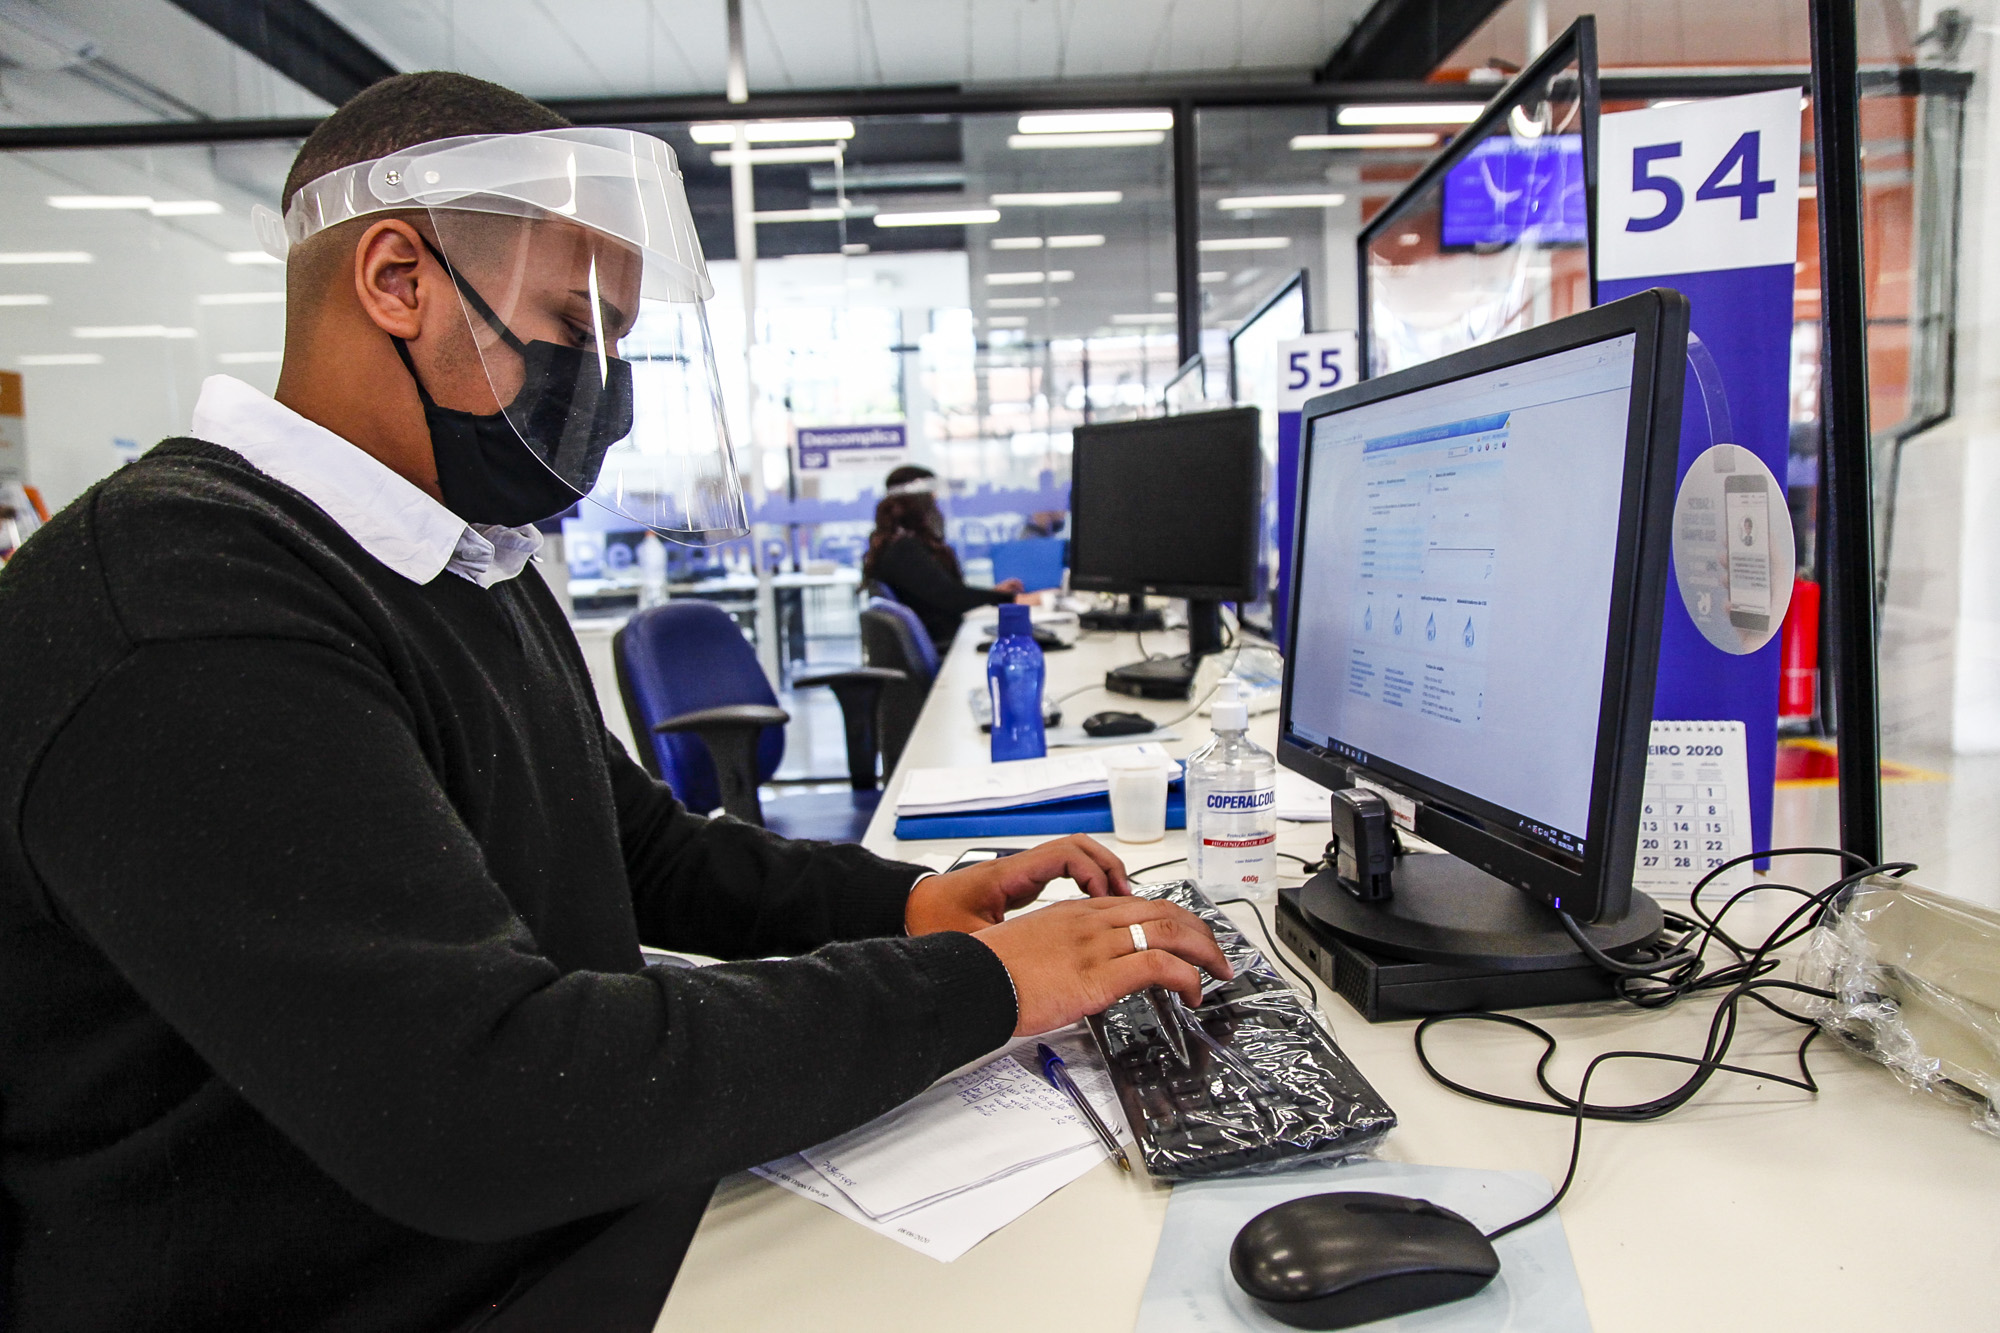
x=410 y=109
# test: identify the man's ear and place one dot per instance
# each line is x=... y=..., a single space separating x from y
x=388 y=279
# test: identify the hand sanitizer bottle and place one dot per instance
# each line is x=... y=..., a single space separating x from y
x=1232 y=792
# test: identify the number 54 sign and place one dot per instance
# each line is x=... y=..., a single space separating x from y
x=1698 y=187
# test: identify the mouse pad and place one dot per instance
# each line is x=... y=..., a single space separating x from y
x=1190 y=1287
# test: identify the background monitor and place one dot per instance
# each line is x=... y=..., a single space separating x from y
x=1504 y=191
x=1495 y=234
x=1253 y=382
x=1481 y=565
x=1170 y=506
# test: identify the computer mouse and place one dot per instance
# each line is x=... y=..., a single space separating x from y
x=1337 y=1260
x=1116 y=724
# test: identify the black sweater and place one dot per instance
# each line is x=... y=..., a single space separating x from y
x=321 y=894
x=921 y=582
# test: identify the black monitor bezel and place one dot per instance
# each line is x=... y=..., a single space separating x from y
x=1079 y=520
x=1598 y=885
x=1577 y=44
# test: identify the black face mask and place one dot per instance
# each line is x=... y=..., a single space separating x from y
x=566 y=414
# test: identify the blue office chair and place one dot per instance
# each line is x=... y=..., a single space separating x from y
x=893 y=637
x=709 y=725
x=1036 y=561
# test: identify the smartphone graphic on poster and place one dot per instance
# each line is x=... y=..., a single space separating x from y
x=1746 y=510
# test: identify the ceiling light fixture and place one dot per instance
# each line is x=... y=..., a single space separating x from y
x=943 y=217
x=1017 y=242
x=131 y=331
x=1221 y=243
x=1305 y=143
x=1056 y=198
x=1417 y=113
x=777 y=157
x=771 y=131
x=183 y=208
x=1027 y=279
x=1093 y=139
x=1151 y=317
x=832 y=213
x=23 y=298
x=1085 y=122
x=1006 y=321
x=241 y=298
x=1019 y=302
x=1211 y=275
x=63 y=359
x=1247 y=201
x=100 y=201
x=1084 y=242
x=44 y=257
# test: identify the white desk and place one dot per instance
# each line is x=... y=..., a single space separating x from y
x=1756 y=1207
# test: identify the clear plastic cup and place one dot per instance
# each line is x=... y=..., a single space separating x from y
x=1138 y=798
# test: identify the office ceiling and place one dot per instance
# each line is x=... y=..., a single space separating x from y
x=548 y=48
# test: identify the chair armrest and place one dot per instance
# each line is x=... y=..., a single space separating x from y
x=880 y=675
x=731 y=733
x=754 y=716
x=859 y=690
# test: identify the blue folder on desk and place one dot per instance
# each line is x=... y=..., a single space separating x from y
x=1073 y=814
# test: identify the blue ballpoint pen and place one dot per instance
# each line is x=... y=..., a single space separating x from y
x=1057 y=1073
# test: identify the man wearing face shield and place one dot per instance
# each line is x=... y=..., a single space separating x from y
x=322 y=885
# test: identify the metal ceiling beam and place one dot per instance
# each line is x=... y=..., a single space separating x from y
x=1404 y=39
x=950 y=99
x=297 y=39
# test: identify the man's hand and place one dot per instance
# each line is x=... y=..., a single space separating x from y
x=981 y=895
x=1072 y=959
x=1010 y=585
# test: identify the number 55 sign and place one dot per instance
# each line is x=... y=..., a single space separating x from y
x=1699 y=187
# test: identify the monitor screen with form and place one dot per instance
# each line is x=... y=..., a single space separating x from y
x=1457 y=563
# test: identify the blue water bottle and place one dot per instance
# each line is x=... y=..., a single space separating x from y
x=1014 y=684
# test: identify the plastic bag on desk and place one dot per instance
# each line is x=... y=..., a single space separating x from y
x=1265 y=1088
x=1915 y=977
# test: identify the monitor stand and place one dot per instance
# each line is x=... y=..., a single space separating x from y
x=1135 y=618
x=1173 y=677
x=1451 y=938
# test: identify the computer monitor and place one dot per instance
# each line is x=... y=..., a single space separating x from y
x=1494 y=235
x=1168 y=506
x=1481 y=562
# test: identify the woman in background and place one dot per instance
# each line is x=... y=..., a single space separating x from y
x=907 y=555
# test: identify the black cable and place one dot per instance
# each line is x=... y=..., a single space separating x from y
x=1271 y=944
x=1678 y=974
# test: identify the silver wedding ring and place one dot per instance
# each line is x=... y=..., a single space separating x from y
x=1139 y=944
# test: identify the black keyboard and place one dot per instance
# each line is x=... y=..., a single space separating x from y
x=1247 y=1082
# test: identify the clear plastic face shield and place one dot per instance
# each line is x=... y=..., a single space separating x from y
x=581 y=280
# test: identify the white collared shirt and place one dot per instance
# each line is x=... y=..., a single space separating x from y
x=394 y=521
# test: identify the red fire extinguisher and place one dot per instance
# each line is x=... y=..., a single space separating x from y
x=1798 y=654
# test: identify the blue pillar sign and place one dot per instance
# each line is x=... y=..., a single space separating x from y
x=1308 y=366
x=1703 y=197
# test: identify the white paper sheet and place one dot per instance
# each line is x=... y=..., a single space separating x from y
x=960 y=1133
x=936 y=1154
x=931 y=791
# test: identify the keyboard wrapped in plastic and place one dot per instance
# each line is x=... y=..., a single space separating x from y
x=1262 y=1086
